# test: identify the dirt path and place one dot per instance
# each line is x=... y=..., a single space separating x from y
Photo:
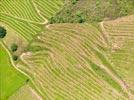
x=33 y=91
x=121 y=82
x=39 y=13
x=12 y=62
x=105 y=34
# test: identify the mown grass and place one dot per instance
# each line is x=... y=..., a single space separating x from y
x=10 y=78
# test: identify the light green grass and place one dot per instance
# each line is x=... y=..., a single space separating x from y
x=10 y=78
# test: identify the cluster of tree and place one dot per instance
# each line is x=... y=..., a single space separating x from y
x=79 y=17
x=15 y=57
x=2 y=32
x=93 y=11
x=125 y=6
x=14 y=48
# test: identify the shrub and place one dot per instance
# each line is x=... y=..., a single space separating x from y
x=15 y=57
x=27 y=80
x=2 y=32
x=74 y=1
x=14 y=47
x=80 y=17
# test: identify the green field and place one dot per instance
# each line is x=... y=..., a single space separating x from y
x=10 y=79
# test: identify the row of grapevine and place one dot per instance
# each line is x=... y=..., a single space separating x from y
x=61 y=64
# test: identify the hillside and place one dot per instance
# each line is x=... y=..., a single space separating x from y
x=91 y=11
x=69 y=56
x=66 y=50
x=121 y=35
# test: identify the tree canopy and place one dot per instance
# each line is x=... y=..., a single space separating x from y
x=2 y=32
x=14 y=47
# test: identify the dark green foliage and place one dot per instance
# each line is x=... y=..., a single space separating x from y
x=74 y=1
x=52 y=20
x=27 y=80
x=2 y=32
x=93 y=11
x=80 y=17
x=15 y=57
x=14 y=47
x=125 y=6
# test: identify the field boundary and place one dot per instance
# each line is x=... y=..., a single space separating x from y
x=10 y=57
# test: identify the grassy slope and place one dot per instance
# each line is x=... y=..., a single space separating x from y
x=26 y=92
x=50 y=86
x=121 y=53
x=25 y=17
x=10 y=79
x=65 y=55
x=93 y=10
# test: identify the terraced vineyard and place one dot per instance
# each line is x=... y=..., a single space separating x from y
x=48 y=7
x=25 y=16
x=25 y=29
x=84 y=60
x=74 y=66
x=121 y=36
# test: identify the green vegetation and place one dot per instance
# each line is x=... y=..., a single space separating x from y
x=2 y=32
x=60 y=54
x=74 y=1
x=93 y=10
x=73 y=60
x=105 y=76
x=24 y=18
x=14 y=47
x=122 y=45
x=10 y=78
x=80 y=17
x=15 y=57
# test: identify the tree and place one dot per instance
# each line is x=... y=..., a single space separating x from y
x=14 y=47
x=2 y=32
x=15 y=57
x=74 y=1
x=80 y=17
x=27 y=80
